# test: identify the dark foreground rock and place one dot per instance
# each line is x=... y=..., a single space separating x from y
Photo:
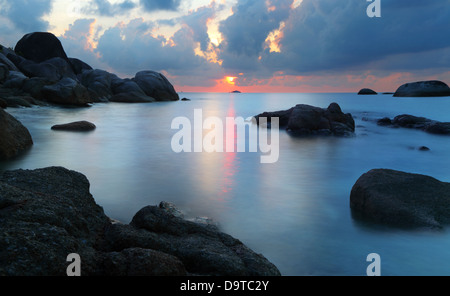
x=79 y=126
x=367 y=91
x=401 y=199
x=432 y=88
x=415 y=122
x=46 y=214
x=14 y=137
x=309 y=120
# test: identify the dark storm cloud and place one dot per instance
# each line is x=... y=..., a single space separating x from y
x=331 y=35
x=27 y=15
x=153 y=5
x=246 y=30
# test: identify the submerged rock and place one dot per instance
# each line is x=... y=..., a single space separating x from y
x=48 y=213
x=401 y=199
x=15 y=137
x=309 y=120
x=432 y=88
x=80 y=126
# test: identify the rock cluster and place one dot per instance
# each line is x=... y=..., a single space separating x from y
x=414 y=122
x=47 y=214
x=38 y=71
x=309 y=120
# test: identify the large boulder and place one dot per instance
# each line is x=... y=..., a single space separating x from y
x=98 y=83
x=48 y=213
x=15 y=137
x=4 y=72
x=432 y=88
x=401 y=199
x=156 y=85
x=79 y=66
x=309 y=120
x=8 y=62
x=128 y=91
x=66 y=92
x=39 y=47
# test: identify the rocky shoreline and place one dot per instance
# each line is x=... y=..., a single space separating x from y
x=39 y=72
x=47 y=214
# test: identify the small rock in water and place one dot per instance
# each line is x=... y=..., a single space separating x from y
x=80 y=126
x=424 y=148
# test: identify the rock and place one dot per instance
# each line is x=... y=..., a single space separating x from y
x=367 y=91
x=33 y=86
x=185 y=99
x=39 y=47
x=4 y=60
x=128 y=91
x=309 y=120
x=79 y=66
x=432 y=88
x=98 y=83
x=384 y=121
x=4 y=72
x=48 y=213
x=15 y=80
x=79 y=126
x=209 y=252
x=401 y=199
x=156 y=85
x=66 y=92
x=415 y=122
x=44 y=70
x=15 y=138
x=142 y=262
x=424 y=148
x=3 y=104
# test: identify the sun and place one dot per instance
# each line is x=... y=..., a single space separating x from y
x=230 y=80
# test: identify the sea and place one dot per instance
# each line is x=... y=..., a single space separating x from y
x=294 y=211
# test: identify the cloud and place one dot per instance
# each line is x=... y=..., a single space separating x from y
x=105 y=8
x=79 y=41
x=323 y=35
x=246 y=30
x=132 y=47
x=153 y=5
x=26 y=15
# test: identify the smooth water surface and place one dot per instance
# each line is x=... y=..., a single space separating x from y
x=294 y=211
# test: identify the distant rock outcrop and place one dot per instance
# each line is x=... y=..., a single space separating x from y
x=48 y=213
x=367 y=91
x=401 y=199
x=415 y=122
x=432 y=88
x=40 y=68
x=309 y=120
x=14 y=137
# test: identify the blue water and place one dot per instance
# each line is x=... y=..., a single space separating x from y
x=294 y=211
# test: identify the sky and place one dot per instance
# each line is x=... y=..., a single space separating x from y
x=248 y=45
